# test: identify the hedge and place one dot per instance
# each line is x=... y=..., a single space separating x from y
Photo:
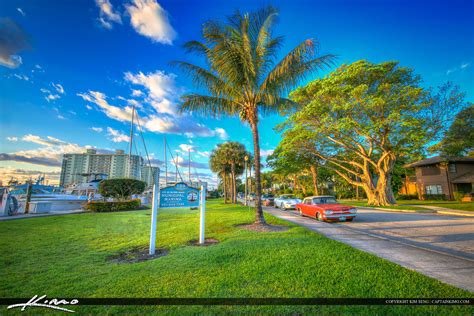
x=407 y=197
x=436 y=197
x=97 y=206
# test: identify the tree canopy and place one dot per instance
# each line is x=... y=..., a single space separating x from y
x=362 y=117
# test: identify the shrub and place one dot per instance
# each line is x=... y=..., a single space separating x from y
x=458 y=196
x=129 y=205
x=121 y=189
x=436 y=197
x=407 y=197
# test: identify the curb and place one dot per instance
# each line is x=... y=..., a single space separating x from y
x=428 y=211
x=455 y=213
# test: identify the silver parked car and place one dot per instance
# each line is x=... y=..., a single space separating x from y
x=287 y=202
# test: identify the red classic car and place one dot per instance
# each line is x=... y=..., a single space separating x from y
x=326 y=208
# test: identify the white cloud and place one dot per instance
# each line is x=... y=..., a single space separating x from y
x=21 y=11
x=266 y=152
x=115 y=112
x=12 y=139
x=221 y=133
x=203 y=153
x=12 y=41
x=22 y=77
x=137 y=93
x=50 y=154
x=52 y=96
x=187 y=147
x=117 y=136
x=161 y=89
x=48 y=141
x=107 y=14
x=12 y=61
x=88 y=107
x=97 y=129
x=59 y=88
x=461 y=67
x=149 y=19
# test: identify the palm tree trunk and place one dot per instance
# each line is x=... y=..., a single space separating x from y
x=259 y=218
x=224 y=186
x=234 y=189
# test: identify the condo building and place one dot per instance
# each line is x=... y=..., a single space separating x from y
x=77 y=168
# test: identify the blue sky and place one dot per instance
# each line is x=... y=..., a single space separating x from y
x=89 y=61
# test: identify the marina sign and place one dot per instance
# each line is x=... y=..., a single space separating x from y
x=179 y=195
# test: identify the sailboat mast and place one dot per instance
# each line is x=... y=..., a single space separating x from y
x=166 y=163
x=189 y=165
x=176 y=163
x=131 y=143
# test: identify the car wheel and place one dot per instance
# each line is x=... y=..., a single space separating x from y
x=319 y=217
x=349 y=219
x=301 y=213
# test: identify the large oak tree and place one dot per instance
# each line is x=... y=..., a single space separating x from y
x=362 y=117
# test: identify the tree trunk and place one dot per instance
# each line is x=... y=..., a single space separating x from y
x=314 y=173
x=224 y=186
x=382 y=193
x=234 y=185
x=259 y=218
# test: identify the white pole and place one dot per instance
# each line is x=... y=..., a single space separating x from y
x=203 y=215
x=154 y=211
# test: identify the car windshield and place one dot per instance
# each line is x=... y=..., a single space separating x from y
x=324 y=200
x=287 y=197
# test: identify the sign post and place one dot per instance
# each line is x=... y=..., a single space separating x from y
x=202 y=215
x=154 y=211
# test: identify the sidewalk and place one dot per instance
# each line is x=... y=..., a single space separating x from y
x=429 y=209
x=444 y=210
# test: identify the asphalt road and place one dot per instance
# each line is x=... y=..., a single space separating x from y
x=439 y=246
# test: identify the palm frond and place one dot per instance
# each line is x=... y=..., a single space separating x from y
x=202 y=77
x=281 y=106
x=208 y=105
x=294 y=67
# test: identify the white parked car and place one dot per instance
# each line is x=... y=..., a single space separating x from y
x=287 y=202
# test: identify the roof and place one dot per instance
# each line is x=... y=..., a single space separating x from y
x=438 y=159
x=465 y=178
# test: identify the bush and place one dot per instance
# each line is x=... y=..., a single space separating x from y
x=407 y=197
x=129 y=205
x=436 y=197
x=458 y=196
x=121 y=189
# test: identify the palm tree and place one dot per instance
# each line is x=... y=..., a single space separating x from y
x=242 y=78
x=218 y=164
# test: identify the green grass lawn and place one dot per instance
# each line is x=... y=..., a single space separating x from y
x=393 y=207
x=66 y=256
x=411 y=205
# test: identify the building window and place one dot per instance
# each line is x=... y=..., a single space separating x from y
x=430 y=170
x=434 y=189
x=452 y=167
